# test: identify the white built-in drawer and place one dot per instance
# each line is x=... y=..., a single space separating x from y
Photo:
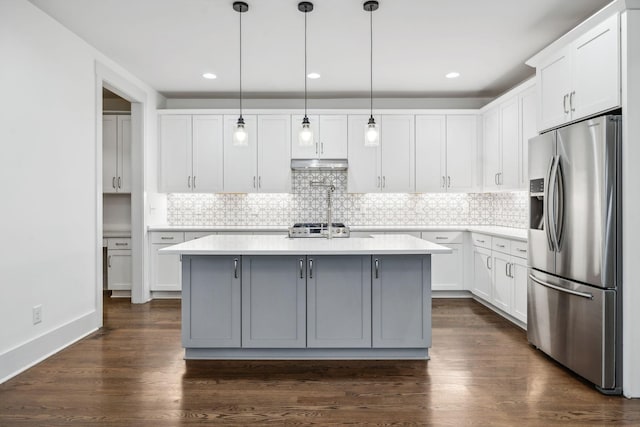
x=519 y=248
x=114 y=243
x=167 y=237
x=443 y=236
x=501 y=245
x=481 y=240
x=191 y=235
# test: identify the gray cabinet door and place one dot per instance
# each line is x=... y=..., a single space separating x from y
x=273 y=301
x=401 y=301
x=211 y=301
x=339 y=301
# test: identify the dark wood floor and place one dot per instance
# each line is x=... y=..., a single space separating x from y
x=481 y=372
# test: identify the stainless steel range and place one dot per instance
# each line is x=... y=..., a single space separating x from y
x=319 y=229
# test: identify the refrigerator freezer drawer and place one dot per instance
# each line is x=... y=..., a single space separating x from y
x=575 y=325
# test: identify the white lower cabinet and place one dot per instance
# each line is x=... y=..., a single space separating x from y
x=119 y=277
x=482 y=269
x=447 y=270
x=165 y=268
x=500 y=275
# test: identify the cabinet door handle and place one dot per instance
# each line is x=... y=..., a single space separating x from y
x=564 y=104
x=310 y=269
x=254 y=182
x=500 y=178
x=378 y=181
x=449 y=181
x=571 y=100
x=441 y=238
x=444 y=181
x=113 y=182
x=121 y=244
x=495 y=179
x=301 y=268
x=109 y=261
x=119 y=182
x=322 y=148
x=166 y=237
x=506 y=270
x=189 y=181
x=511 y=270
x=488 y=264
x=377 y=268
x=316 y=147
x=260 y=182
x=194 y=181
x=521 y=250
x=499 y=245
x=479 y=241
x=384 y=182
x=235 y=268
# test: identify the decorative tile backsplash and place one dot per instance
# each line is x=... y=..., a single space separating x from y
x=309 y=204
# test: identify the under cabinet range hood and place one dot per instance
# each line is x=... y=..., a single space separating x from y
x=319 y=164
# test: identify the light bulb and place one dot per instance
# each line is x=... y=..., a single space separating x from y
x=371 y=134
x=305 y=136
x=240 y=137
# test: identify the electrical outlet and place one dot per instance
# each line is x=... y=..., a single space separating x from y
x=37 y=314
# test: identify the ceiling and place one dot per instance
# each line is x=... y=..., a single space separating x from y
x=170 y=43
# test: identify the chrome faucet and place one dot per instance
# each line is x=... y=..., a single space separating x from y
x=330 y=189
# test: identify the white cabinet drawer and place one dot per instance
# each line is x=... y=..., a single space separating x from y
x=167 y=237
x=191 y=235
x=442 y=237
x=501 y=245
x=519 y=248
x=123 y=243
x=481 y=240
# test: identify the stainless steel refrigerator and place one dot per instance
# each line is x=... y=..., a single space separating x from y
x=574 y=285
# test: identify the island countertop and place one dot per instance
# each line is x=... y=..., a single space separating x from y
x=401 y=244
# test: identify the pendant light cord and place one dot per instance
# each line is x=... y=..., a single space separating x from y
x=305 y=63
x=240 y=13
x=371 y=60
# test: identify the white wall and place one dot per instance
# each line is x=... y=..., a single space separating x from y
x=50 y=195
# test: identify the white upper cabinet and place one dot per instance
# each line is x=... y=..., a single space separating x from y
x=191 y=153
x=329 y=137
x=507 y=128
x=263 y=165
x=241 y=162
x=274 y=159
x=116 y=154
x=431 y=153
x=528 y=130
x=388 y=167
x=462 y=135
x=583 y=78
x=445 y=153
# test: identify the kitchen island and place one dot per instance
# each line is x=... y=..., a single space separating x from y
x=273 y=297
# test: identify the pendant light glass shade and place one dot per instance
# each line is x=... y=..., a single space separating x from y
x=305 y=134
x=240 y=136
x=371 y=134
x=371 y=131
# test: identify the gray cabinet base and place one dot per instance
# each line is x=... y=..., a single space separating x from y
x=306 y=353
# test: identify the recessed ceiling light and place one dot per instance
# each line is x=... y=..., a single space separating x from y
x=209 y=76
x=453 y=75
x=313 y=75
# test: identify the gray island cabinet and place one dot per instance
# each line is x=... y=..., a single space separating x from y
x=271 y=297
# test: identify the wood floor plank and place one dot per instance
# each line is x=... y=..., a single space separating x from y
x=481 y=372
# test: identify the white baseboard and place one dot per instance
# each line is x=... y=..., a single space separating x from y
x=451 y=294
x=21 y=358
x=166 y=294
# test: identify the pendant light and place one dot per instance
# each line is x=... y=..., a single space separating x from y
x=240 y=136
x=305 y=136
x=371 y=132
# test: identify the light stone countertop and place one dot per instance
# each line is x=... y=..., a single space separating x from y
x=505 y=232
x=282 y=245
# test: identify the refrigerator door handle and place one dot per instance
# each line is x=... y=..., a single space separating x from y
x=560 y=211
x=561 y=289
x=551 y=206
x=547 y=204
